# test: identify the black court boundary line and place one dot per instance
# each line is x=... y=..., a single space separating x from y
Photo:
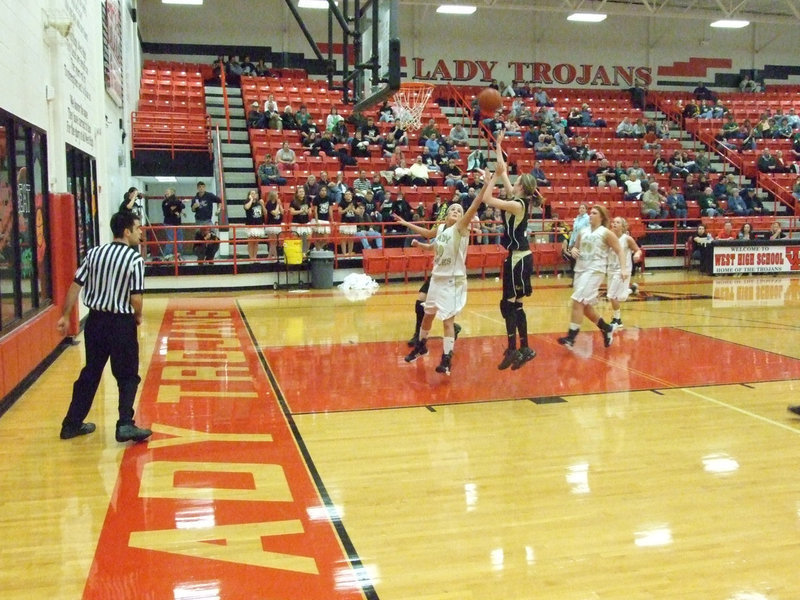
x=347 y=543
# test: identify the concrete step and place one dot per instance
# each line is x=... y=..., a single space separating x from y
x=216 y=90
x=236 y=122
x=235 y=193
x=237 y=162
x=240 y=177
x=240 y=148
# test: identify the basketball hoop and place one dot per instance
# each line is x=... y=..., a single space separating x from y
x=409 y=102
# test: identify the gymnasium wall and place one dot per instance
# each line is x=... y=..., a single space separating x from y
x=57 y=84
x=702 y=53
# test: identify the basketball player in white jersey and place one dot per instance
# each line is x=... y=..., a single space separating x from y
x=447 y=294
x=591 y=252
x=618 y=288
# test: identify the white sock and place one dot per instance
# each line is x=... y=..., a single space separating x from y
x=618 y=314
x=423 y=334
x=574 y=326
x=447 y=344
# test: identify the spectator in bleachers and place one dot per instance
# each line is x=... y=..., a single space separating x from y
x=203 y=205
x=580 y=149
x=360 y=185
x=491 y=226
x=721 y=187
x=783 y=130
x=337 y=188
x=796 y=146
x=311 y=188
x=418 y=172
x=701 y=242
x=377 y=189
x=780 y=164
x=708 y=204
x=796 y=189
x=639 y=129
x=347 y=227
x=308 y=131
x=752 y=201
x=546 y=149
x=262 y=70
x=793 y=118
x=775 y=231
x=676 y=204
x=603 y=176
x=736 y=204
x=662 y=130
x=691 y=110
x=206 y=244
x=633 y=187
x=636 y=169
x=289 y=119
x=359 y=147
x=748 y=85
x=763 y=129
x=458 y=136
x=531 y=136
x=430 y=130
x=476 y=160
x=286 y=158
x=272 y=114
x=268 y=172
x=302 y=116
x=300 y=211
x=714 y=110
x=701 y=92
x=365 y=230
x=172 y=207
x=766 y=162
x=650 y=140
x=625 y=128
x=233 y=71
x=702 y=162
x=333 y=119
x=653 y=206
x=746 y=232
x=659 y=165
x=677 y=166
x=385 y=113
x=541 y=98
x=371 y=204
x=402 y=174
x=579 y=223
x=730 y=128
x=323 y=145
x=588 y=120
x=561 y=140
x=255 y=118
x=539 y=175
x=451 y=172
x=371 y=132
x=255 y=210
x=274 y=210
x=726 y=233
x=398 y=135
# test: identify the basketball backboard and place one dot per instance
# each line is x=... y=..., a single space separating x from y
x=378 y=54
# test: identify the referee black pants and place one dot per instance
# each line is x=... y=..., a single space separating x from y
x=107 y=335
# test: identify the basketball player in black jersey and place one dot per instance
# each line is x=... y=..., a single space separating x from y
x=518 y=267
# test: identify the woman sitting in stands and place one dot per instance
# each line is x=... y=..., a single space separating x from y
x=746 y=232
x=347 y=229
x=274 y=211
x=300 y=209
x=254 y=211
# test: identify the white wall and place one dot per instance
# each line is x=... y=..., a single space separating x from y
x=57 y=84
x=500 y=36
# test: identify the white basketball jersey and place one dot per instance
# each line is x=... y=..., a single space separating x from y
x=593 y=250
x=613 y=259
x=450 y=249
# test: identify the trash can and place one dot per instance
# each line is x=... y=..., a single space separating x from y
x=321 y=262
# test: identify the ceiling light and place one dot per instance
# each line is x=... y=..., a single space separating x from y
x=730 y=24
x=587 y=17
x=314 y=4
x=456 y=9
x=160 y=179
x=193 y=2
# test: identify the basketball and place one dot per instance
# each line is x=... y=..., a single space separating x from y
x=489 y=100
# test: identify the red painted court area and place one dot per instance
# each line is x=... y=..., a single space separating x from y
x=219 y=503
x=371 y=376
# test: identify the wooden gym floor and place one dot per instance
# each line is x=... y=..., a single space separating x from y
x=296 y=455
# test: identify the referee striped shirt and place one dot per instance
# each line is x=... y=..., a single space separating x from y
x=109 y=275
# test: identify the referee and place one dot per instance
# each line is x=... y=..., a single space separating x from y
x=113 y=277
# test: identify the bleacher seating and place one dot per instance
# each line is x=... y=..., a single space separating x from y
x=172 y=109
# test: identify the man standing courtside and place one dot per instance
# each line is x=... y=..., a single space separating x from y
x=112 y=278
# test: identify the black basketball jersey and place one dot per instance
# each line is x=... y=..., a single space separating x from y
x=515 y=236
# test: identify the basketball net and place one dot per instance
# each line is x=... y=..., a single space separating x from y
x=408 y=104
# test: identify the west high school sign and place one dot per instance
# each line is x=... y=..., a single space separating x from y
x=534 y=72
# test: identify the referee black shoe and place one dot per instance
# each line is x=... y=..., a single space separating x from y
x=457 y=329
x=413 y=341
x=523 y=355
x=509 y=358
x=67 y=433
x=794 y=409
x=132 y=433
